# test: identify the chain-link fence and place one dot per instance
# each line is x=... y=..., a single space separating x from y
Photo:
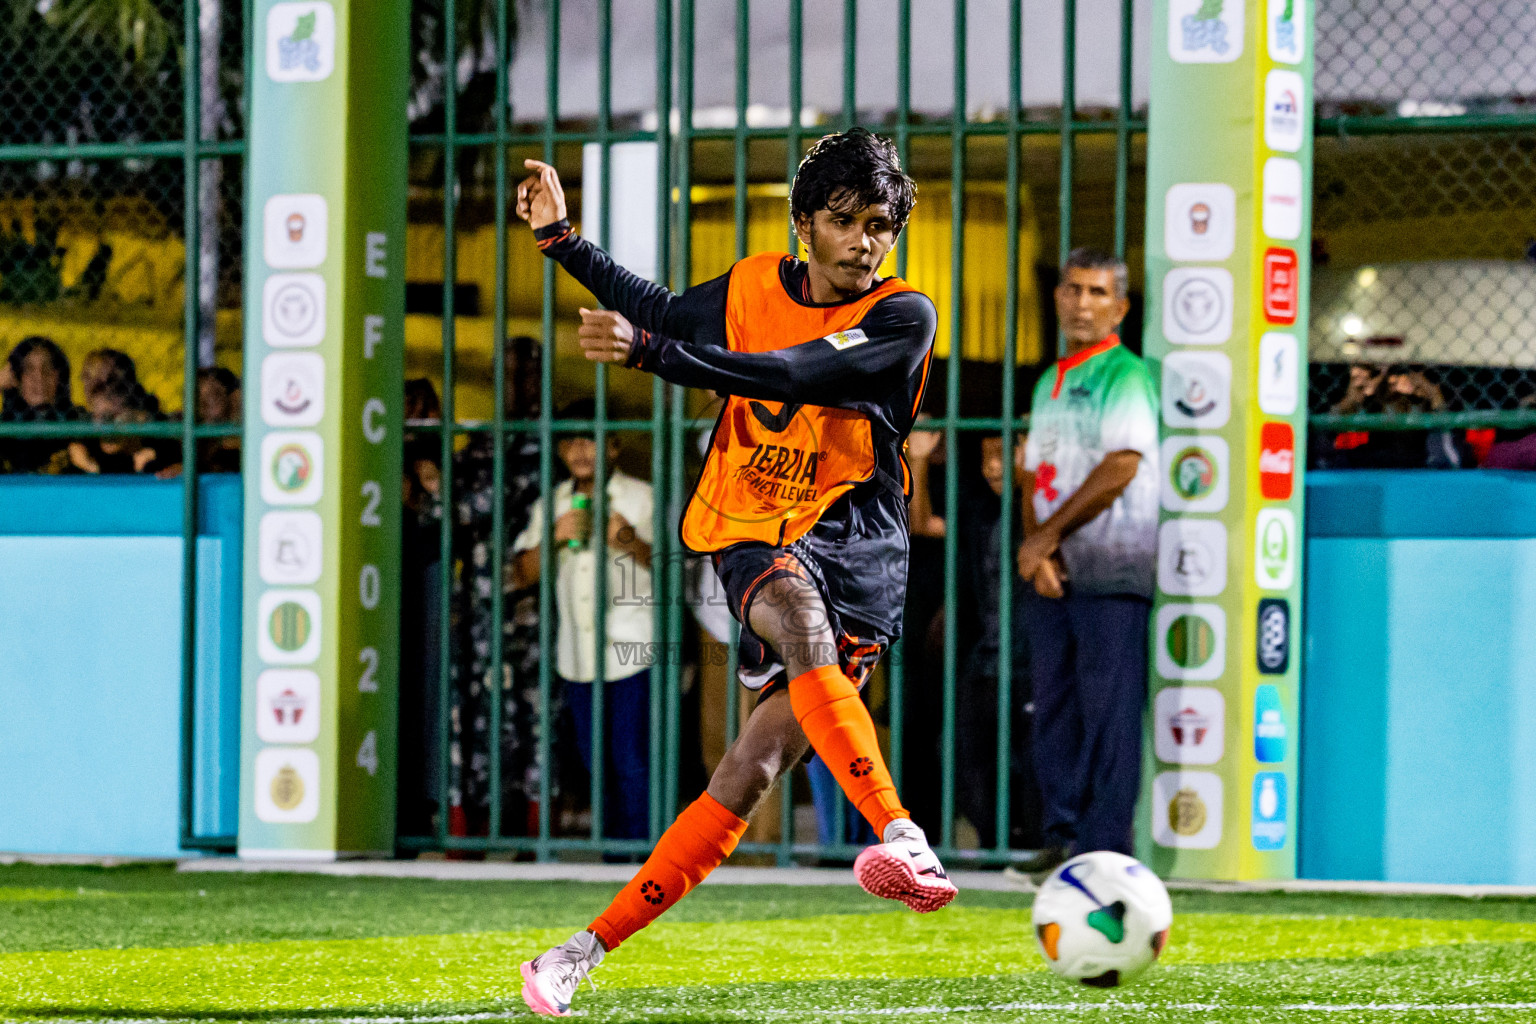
x=119 y=151
x=1424 y=223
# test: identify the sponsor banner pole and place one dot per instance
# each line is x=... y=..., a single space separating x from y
x=324 y=333
x=1229 y=174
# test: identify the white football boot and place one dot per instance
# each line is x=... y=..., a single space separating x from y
x=552 y=978
x=905 y=868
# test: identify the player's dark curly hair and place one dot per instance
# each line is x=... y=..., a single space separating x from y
x=849 y=171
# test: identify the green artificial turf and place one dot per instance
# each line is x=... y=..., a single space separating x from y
x=145 y=943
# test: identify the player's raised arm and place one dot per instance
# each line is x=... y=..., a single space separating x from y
x=863 y=364
x=541 y=202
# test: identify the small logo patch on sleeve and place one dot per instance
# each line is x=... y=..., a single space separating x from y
x=847 y=339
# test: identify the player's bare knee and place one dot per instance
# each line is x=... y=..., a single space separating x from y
x=790 y=615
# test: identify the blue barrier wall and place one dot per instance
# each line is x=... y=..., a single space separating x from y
x=1418 y=696
x=1419 y=692
x=90 y=678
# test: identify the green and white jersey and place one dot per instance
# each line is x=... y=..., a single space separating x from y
x=1098 y=401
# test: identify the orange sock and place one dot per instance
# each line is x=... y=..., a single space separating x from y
x=697 y=843
x=838 y=725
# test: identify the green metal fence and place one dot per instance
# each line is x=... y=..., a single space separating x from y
x=1090 y=159
x=671 y=421
x=1426 y=143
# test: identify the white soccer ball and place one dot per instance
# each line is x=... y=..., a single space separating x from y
x=1102 y=918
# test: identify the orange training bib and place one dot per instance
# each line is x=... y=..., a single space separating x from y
x=774 y=467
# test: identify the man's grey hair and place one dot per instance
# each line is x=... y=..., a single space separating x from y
x=1086 y=257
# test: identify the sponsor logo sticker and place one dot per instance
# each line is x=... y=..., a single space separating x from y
x=1191 y=642
x=1281 y=215
x=292 y=467
x=1287 y=30
x=1269 y=811
x=1197 y=389
x=288 y=627
x=1195 y=474
x=1192 y=557
x=293 y=310
x=294 y=229
x=1278 y=371
x=847 y=339
x=1284 y=111
x=1205 y=31
x=1274 y=635
x=1199 y=221
x=1268 y=725
x=1274 y=550
x=1190 y=724
x=292 y=389
x=1282 y=284
x=1277 y=460
x=1187 y=810
x=290 y=549
x=287 y=783
x=301 y=42
x=288 y=706
x=1197 y=305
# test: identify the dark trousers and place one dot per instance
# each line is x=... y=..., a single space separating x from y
x=976 y=728
x=626 y=735
x=1088 y=661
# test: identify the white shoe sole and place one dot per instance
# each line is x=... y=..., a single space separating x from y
x=883 y=874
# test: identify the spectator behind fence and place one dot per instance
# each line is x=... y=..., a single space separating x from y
x=1090 y=549
x=219 y=400
x=983 y=575
x=474 y=489
x=1391 y=391
x=113 y=394
x=978 y=602
x=423 y=451
x=1513 y=448
x=922 y=646
x=34 y=383
x=626 y=720
x=419 y=781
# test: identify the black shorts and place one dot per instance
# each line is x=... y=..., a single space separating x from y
x=863 y=585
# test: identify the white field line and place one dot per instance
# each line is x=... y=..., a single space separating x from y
x=907 y=1011
x=965 y=878
x=903 y=1011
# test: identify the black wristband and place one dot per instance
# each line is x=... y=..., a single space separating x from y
x=555 y=230
x=552 y=235
x=639 y=349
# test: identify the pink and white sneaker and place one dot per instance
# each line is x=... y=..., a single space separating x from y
x=905 y=868
x=552 y=978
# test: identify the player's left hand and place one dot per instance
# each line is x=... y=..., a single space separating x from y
x=606 y=337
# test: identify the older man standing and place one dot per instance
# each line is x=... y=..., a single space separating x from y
x=1090 y=548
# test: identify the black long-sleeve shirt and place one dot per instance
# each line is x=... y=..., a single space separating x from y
x=877 y=368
